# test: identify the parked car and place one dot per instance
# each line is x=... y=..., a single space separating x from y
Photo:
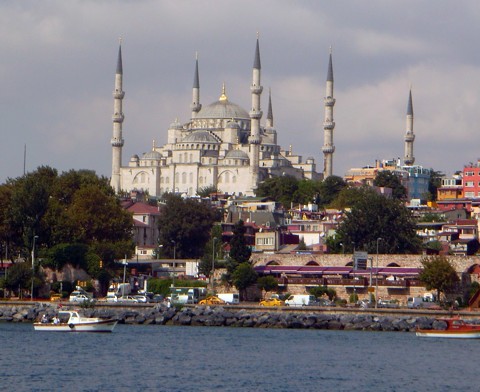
x=326 y=302
x=212 y=300
x=272 y=302
x=81 y=298
x=364 y=304
x=301 y=300
x=127 y=298
x=142 y=299
x=388 y=303
x=158 y=298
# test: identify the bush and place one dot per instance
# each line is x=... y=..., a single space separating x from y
x=353 y=299
x=320 y=291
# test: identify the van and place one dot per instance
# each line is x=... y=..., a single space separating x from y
x=230 y=298
x=301 y=300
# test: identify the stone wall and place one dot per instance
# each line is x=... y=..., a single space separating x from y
x=461 y=263
x=236 y=316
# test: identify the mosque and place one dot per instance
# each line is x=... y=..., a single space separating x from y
x=222 y=145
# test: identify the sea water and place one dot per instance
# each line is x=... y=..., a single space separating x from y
x=169 y=358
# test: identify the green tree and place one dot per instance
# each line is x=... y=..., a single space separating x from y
x=375 y=216
x=243 y=277
x=206 y=191
x=388 y=179
x=240 y=252
x=184 y=224
x=213 y=246
x=281 y=189
x=438 y=274
x=19 y=277
x=320 y=291
x=330 y=189
x=267 y=283
x=347 y=197
x=434 y=182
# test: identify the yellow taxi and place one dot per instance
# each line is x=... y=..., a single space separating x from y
x=212 y=300
x=272 y=302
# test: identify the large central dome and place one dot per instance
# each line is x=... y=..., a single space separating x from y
x=223 y=109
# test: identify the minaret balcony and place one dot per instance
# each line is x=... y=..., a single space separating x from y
x=253 y=139
x=118 y=117
x=118 y=94
x=254 y=114
x=409 y=137
x=195 y=107
x=117 y=142
x=328 y=149
x=329 y=101
x=329 y=125
x=256 y=89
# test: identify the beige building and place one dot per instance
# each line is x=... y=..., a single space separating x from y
x=221 y=145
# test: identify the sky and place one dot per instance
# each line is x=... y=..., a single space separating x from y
x=58 y=61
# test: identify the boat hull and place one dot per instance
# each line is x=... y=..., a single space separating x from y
x=475 y=334
x=95 y=326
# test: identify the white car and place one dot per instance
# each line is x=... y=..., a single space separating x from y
x=81 y=298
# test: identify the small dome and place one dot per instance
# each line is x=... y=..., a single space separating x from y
x=152 y=156
x=200 y=137
x=236 y=154
x=176 y=125
x=134 y=158
x=233 y=125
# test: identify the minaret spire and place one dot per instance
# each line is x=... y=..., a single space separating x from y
x=269 y=123
x=196 y=106
x=117 y=118
x=328 y=125
x=409 y=159
x=255 y=116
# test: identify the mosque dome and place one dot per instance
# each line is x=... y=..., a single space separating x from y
x=176 y=125
x=236 y=154
x=200 y=137
x=152 y=156
x=223 y=109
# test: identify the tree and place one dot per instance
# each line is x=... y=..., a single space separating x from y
x=206 y=191
x=267 y=283
x=330 y=189
x=213 y=246
x=239 y=251
x=375 y=216
x=438 y=274
x=243 y=277
x=434 y=183
x=388 y=179
x=19 y=277
x=280 y=189
x=184 y=224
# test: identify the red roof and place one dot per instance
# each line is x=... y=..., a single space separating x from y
x=143 y=208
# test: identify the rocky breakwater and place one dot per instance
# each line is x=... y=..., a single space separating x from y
x=231 y=317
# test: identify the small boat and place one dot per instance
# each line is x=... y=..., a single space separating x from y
x=456 y=328
x=71 y=321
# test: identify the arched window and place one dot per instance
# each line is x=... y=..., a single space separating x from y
x=184 y=178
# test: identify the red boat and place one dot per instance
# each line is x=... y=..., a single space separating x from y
x=456 y=328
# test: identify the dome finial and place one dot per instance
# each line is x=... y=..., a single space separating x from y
x=223 y=97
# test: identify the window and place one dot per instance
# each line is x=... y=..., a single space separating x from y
x=469 y=184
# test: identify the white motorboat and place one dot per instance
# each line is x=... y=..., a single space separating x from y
x=71 y=321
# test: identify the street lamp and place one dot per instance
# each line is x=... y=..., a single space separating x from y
x=124 y=273
x=33 y=265
x=174 y=259
x=376 y=276
x=213 y=264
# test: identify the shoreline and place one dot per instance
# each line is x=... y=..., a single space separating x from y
x=401 y=320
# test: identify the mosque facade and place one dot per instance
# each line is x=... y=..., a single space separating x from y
x=221 y=146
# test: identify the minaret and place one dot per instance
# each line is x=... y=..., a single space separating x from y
x=196 y=106
x=255 y=116
x=409 y=159
x=328 y=125
x=117 y=140
x=269 y=122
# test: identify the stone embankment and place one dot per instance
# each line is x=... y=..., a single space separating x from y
x=236 y=317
